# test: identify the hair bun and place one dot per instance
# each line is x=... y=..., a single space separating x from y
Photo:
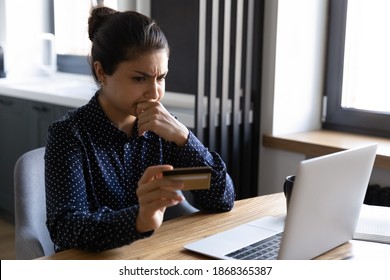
x=98 y=17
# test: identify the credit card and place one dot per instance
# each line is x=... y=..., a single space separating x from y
x=194 y=178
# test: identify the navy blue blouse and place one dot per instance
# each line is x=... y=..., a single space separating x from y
x=91 y=172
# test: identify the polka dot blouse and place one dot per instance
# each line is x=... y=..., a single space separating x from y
x=91 y=172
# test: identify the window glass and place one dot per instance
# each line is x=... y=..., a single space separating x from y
x=358 y=67
x=366 y=83
x=71 y=25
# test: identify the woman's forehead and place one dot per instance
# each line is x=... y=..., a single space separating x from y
x=151 y=62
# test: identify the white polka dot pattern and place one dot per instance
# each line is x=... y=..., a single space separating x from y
x=91 y=174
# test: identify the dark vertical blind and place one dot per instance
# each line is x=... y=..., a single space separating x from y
x=180 y=22
x=216 y=55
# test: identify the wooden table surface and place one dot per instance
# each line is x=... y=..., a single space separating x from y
x=168 y=241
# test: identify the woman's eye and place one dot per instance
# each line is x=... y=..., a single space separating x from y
x=161 y=78
x=139 y=79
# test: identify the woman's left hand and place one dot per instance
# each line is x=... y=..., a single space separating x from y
x=153 y=116
x=155 y=193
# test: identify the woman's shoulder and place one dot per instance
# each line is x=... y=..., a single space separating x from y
x=70 y=117
x=76 y=116
x=71 y=122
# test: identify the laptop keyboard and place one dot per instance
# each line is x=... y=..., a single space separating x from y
x=266 y=249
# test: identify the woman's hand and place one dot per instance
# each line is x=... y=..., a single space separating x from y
x=153 y=116
x=155 y=193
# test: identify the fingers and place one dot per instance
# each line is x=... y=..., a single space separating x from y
x=155 y=193
x=153 y=172
x=143 y=106
x=152 y=116
x=159 y=197
x=152 y=187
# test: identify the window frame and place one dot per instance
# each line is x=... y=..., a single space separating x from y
x=76 y=64
x=337 y=117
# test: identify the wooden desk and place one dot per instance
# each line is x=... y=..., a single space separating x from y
x=167 y=242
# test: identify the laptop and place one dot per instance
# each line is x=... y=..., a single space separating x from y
x=323 y=212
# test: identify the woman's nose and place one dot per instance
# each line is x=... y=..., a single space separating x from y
x=152 y=91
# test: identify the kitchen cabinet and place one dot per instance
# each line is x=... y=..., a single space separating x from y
x=23 y=125
x=43 y=115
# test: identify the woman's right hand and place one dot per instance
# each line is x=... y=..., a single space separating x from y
x=155 y=194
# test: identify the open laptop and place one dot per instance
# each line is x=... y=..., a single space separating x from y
x=323 y=211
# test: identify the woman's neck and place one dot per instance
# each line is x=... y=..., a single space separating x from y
x=122 y=121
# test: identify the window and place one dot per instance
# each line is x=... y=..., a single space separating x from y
x=71 y=33
x=358 y=67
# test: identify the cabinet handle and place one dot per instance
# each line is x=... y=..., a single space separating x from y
x=41 y=109
x=6 y=102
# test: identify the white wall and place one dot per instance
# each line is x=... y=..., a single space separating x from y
x=2 y=20
x=300 y=54
x=293 y=66
x=142 y=6
x=2 y=26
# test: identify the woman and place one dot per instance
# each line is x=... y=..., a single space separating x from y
x=103 y=161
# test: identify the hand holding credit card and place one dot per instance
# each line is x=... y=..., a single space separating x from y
x=194 y=178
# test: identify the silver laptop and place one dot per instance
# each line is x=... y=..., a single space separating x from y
x=323 y=212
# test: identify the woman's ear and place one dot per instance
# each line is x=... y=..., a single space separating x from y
x=99 y=72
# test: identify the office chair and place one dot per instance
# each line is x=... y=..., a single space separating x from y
x=32 y=239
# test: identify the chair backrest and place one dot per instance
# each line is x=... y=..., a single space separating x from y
x=32 y=239
x=183 y=208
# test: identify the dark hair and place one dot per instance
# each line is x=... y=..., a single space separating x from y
x=120 y=36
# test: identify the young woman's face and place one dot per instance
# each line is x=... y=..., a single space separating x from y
x=136 y=81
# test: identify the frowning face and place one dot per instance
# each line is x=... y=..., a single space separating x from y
x=133 y=82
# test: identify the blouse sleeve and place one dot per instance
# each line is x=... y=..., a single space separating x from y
x=221 y=195
x=70 y=221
